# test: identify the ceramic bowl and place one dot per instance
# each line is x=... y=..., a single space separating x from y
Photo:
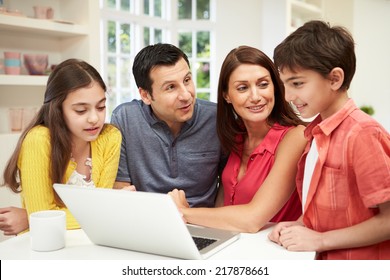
x=36 y=64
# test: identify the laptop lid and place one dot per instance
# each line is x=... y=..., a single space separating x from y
x=139 y=221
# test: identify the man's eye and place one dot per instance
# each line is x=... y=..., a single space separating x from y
x=170 y=87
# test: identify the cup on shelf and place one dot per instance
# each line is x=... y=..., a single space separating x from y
x=36 y=64
x=47 y=230
x=43 y=12
x=28 y=115
x=12 y=63
x=15 y=117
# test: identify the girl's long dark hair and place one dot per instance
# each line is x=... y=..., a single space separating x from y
x=68 y=76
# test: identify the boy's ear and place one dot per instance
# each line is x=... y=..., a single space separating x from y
x=145 y=96
x=336 y=77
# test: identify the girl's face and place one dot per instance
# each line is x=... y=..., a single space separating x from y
x=251 y=92
x=85 y=112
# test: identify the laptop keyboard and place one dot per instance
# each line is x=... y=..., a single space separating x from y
x=202 y=242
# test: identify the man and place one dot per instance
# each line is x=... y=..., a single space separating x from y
x=169 y=137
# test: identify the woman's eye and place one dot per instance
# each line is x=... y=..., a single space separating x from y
x=242 y=88
x=101 y=108
x=263 y=84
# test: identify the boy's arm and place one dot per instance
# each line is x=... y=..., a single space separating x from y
x=369 y=232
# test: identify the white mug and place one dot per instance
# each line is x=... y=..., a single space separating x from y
x=47 y=230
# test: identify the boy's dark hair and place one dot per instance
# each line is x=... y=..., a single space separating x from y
x=152 y=56
x=319 y=47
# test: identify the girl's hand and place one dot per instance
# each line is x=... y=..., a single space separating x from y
x=13 y=220
x=129 y=188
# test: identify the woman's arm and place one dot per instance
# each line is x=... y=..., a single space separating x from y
x=268 y=200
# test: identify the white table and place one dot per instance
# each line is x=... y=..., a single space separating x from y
x=78 y=246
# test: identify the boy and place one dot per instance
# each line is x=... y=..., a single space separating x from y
x=346 y=194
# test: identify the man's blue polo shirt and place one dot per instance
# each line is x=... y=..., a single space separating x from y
x=154 y=161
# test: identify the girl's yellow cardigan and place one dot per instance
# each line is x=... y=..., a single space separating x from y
x=34 y=161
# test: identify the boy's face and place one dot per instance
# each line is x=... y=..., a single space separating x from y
x=309 y=92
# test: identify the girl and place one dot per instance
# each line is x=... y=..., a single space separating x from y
x=67 y=142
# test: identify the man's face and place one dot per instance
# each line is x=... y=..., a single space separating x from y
x=173 y=97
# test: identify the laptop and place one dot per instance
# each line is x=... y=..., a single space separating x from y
x=140 y=221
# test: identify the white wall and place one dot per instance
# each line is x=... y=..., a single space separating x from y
x=371 y=29
x=238 y=23
x=7 y=197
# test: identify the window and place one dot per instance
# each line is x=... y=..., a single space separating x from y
x=129 y=25
x=194 y=32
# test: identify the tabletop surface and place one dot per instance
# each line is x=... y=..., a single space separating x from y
x=78 y=246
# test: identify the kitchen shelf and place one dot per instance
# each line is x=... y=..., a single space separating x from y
x=50 y=28
x=22 y=80
x=72 y=33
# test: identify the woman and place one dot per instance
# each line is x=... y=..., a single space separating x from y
x=264 y=139
x=67 y=142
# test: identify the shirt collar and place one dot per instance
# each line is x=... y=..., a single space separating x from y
x=152 y=119
x=328 y=125
x=270 y=141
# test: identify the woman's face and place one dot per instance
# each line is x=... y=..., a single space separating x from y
x=251 y=92
x=85 y=112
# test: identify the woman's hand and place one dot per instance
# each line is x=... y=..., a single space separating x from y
x=13 y=220
x=179 y=197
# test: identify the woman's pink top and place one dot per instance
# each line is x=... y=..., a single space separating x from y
x=259 y=165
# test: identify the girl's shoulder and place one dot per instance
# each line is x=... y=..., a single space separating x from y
x=110 y=133
x=38 y=132
x=38 y=136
